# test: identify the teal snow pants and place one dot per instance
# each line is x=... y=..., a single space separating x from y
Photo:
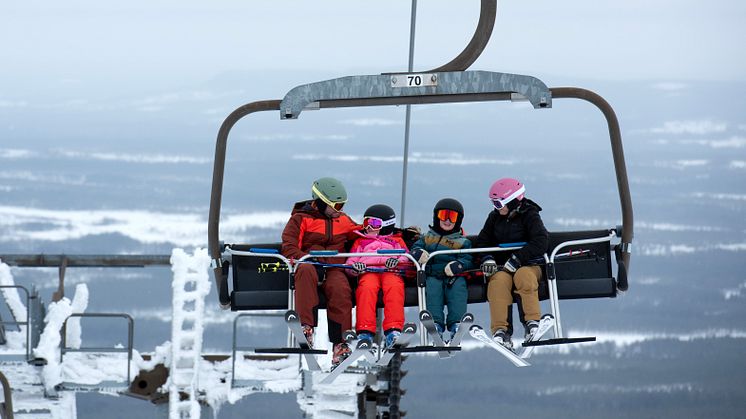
x=439 y=294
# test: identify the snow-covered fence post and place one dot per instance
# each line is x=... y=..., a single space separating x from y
x=191 y=284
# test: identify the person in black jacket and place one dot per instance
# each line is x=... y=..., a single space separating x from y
x=514 y=219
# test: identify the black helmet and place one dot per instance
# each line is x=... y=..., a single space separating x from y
x=448 y=204
x=386 y=214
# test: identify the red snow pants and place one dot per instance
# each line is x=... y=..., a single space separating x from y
x=338 y=294
x=367 y=297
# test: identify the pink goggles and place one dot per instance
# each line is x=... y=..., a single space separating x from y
x=375 y=223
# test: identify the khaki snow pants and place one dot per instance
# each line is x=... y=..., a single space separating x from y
x=500 y=295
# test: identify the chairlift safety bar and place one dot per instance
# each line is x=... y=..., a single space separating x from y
x=552 y=277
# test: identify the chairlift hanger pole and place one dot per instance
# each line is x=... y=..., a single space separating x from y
x=453 y=85
x=407 y=117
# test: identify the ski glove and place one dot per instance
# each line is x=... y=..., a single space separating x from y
x=421 y=255
x=359 y=267
x=391 y=263
x=453 y=268
x=512 y=264
x=411 y=234
x=489 y=267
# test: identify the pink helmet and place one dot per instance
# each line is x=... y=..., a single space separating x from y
x=505 y=190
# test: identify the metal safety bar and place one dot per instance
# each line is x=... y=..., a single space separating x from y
x=552 y=277
x=236 y=348
x=27 y=323
x=130 y=333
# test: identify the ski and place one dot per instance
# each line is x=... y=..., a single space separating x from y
x=409 y=331
x=363 y=349
x=478 y=333
x=349 y=336
x=466 y=321
x=293 y=321
x=429 y=324
x=545 y=325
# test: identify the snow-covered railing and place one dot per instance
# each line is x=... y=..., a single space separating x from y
x=130 y=333
x=15 y=322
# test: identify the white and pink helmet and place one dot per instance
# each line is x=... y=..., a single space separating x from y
x=505 y=190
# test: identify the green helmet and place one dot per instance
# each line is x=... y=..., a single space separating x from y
x=329 y=190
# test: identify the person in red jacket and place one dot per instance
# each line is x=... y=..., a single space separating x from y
x=320 y=224
x=379 y=234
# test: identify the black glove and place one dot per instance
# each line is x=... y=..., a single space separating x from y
x=391 y=263
x=421 y=255
x=359 y=267
x=512 y=264
x=489 y=266
x=453 y=268
x=411 y=234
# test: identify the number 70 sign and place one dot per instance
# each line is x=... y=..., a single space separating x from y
x=414 y=80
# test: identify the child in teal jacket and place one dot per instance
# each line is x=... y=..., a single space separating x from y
x=443 y=285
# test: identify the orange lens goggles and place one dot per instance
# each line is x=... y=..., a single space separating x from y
x=445 y=214
x=338 y=206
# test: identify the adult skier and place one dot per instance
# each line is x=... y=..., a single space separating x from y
x=320 y=224
x=514 y=218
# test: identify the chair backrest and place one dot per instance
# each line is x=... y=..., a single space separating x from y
x=587 y=275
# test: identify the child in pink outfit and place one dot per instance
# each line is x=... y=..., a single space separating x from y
x=378 y=234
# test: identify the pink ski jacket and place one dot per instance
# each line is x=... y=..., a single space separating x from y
x=366 y=244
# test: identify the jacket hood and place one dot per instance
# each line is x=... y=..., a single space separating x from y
x=306 y=207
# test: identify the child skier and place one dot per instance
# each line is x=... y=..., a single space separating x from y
x=378 y=233
x=515 y=219
x=443 y=286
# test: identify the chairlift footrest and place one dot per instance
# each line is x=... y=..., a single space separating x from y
x=426 y=349
x=559 y=341
x=289 y=351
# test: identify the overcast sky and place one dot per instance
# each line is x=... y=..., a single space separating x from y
x=87 y=45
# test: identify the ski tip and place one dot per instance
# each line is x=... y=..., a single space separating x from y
x=547 y=316
x=475 y=327
x=291 y=315
x=409 y=328
x=468 y=317
x=425 y=315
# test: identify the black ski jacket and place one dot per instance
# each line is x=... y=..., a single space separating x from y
x=520 y=225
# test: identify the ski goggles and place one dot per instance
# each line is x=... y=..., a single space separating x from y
x=375 y=223
x=446 y=214
x=337 y=206
x=500 y=203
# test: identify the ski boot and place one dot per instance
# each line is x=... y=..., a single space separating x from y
x=366 y=335
x=391 y=337
x=531 y=327
x=502 y=337
x=340 y=353
x=308 y=333
x=453 y=329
